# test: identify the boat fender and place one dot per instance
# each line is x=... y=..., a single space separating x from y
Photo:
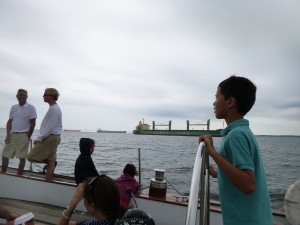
x=292 y=203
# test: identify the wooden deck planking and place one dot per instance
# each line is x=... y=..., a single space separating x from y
x=43 y=213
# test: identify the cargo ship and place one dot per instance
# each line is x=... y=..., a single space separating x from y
x=66 y=130
x=111 y=131
x=144 y=129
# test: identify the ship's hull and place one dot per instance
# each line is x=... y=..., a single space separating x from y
x=215 y=133
x=111 y=131
x=72 y=130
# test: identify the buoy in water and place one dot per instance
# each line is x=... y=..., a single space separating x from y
x=292 y=203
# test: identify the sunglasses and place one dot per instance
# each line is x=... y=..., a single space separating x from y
x=89 y=181
x=46 y=95
x=89 y=194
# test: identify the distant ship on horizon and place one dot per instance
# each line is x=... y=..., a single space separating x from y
x=111 y=131
x=67 y=130
x=144 y=129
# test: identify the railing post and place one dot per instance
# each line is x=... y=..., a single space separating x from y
x=200 y=179
x=194 y=189
x=30 y=147
x=207 y=187
x=140 y=174
x=204 y=194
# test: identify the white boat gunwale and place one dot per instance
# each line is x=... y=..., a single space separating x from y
x=142 y=197
x=41 y=179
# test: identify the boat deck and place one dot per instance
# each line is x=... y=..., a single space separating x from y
x=43 y=214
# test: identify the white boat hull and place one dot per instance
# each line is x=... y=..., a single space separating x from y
x=164 y=210
x=36 y=189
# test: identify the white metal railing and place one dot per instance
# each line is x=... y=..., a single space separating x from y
x=200 y=180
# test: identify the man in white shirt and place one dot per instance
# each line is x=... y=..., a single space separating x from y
x=45 y=146
x=19 y=129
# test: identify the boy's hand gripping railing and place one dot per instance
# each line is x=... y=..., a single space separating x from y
x=200 y=179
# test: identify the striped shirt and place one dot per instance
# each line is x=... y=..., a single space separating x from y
x=106 y=221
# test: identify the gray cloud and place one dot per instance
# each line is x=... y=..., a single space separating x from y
x=116 y=63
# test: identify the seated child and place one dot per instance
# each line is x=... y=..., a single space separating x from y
x=127 y=183
x=84 y=165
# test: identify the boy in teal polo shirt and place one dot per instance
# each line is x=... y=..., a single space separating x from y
x=241 y=177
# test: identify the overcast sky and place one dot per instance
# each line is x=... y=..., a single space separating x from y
x=118 y=62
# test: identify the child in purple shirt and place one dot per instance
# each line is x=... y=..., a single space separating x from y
x=127 y=183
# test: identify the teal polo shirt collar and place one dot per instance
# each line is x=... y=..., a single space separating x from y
x=234 y=124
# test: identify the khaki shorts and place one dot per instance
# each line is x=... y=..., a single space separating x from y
x=45 y=150
x=18 y=146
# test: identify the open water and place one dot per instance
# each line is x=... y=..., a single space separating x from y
x=176 y=155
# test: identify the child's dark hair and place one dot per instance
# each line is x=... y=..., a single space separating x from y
x=240 y=88
x=130 y=170
x=104 y=193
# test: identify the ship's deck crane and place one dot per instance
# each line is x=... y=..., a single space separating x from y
x=207 y=124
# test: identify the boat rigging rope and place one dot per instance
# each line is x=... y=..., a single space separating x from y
x=173 y=187
x=37 y=165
